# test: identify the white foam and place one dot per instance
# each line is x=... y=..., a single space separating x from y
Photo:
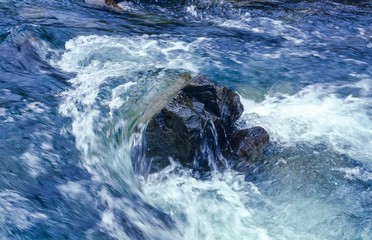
x=17 y=211
x=138 y=216
x=261 y=25
x=191 y=9
x=112 y=226
x=364 y=84
x=86 y=53
x=6 y=117
x=318 y=114
x=355 y=173
x=228 y=207
x=117 y=101
x=33 y=162
x=38 y=157
x=46 y=146
x=37 y=107
x=288 y=52
x=214 y=209
x=32 y=110
x=72 y=189
x=111 y=222
x=96 y=60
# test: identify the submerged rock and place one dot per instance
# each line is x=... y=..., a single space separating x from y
x=196 y=128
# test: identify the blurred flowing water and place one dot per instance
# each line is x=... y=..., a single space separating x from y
x=78 y=77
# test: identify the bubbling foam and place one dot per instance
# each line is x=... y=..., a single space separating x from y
x=113 y=74
x=318 y=113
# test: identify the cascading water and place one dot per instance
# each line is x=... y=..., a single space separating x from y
x=116 y=100
x=79 y=80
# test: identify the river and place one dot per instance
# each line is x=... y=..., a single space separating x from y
x=75 y=77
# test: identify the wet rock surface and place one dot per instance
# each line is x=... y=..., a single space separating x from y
x=247 y=145
x=196 y=128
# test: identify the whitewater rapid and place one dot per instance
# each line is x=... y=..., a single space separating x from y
x=79 y=80
x=226 y=206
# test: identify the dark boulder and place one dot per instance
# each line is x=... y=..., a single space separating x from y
x=196 y=128
x=247 y=145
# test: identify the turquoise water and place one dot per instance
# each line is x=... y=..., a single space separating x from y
x=76 y=78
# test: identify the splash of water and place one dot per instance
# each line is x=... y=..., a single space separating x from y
x=317 y=114
x=117 y=79
x=114 y=75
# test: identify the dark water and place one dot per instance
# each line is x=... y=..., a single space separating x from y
x=75 y=77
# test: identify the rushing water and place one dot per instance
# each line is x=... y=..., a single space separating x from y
x=76 y=78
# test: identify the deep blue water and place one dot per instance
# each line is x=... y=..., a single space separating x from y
x=76 y=77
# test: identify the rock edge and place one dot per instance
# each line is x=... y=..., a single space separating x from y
x=197 y=129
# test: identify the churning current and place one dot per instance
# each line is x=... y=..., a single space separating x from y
x=75 y=77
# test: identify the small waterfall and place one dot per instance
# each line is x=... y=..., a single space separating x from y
x=112 y=94
x=208 y=156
